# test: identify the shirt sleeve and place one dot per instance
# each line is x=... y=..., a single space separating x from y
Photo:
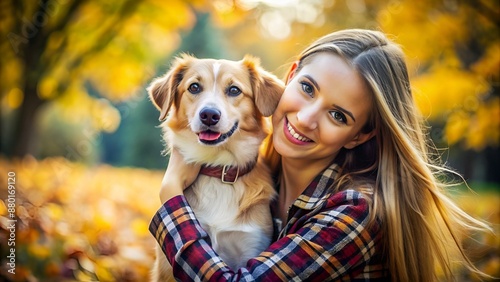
x=326 y=246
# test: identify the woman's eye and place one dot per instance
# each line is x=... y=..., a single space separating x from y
x=233 y=91
x=307 y=88
x=338 y=116
x=194 y=88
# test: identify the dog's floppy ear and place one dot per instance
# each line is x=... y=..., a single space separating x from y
x=267 y=87
x=163 y=90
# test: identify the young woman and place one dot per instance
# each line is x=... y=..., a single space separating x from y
x=359 y=195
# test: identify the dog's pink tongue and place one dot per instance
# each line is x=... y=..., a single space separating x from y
x=209 y=135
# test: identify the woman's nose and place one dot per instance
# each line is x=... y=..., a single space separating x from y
x=307 y=117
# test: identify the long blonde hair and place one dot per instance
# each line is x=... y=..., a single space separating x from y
x=422 y=226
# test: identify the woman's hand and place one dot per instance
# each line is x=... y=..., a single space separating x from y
x=179 y=176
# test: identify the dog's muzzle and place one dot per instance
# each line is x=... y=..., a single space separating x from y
x=210 y=137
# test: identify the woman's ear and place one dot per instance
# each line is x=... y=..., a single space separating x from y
x=291 y=72
x=359 y=139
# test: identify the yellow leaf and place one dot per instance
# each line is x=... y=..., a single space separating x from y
x=83 y=276
x=54 y=211
x=3 y=208
x=456 y=127
x=39 y=251
x=446 y=88
x=485 y=126
x=86 y=263
x=489 y=64
x=140 y=227
x=102 y=267
x=47 y=88
x=14 y=98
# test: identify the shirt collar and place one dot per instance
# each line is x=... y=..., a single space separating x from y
x=318 y=189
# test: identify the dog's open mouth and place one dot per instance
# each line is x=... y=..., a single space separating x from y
x=210 y=137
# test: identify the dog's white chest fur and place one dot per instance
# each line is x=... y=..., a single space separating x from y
x=208 y=191
x=216 y=206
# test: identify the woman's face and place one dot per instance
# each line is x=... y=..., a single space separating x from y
x=323 y=109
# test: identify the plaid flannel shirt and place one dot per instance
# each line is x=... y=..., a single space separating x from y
x=326 y=238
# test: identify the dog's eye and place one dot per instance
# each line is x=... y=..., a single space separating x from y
x=233 y=91
x=194 y=88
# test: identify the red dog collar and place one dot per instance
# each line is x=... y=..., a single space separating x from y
x=227 y=174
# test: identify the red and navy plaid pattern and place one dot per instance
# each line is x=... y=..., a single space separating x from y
x=327 y=238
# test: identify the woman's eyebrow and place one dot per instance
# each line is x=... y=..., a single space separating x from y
x=335 y=106
x=312 y=81
x=345 y=111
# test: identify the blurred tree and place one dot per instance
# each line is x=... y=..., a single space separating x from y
x=453 y=49
x=455 y=64
x=204 y=40
x=138 y=142
x=55 y=49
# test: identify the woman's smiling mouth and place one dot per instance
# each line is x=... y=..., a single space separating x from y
x=293 y=135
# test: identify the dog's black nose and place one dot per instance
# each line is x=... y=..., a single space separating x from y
x=209 y=116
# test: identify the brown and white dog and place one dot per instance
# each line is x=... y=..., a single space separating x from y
x=214 y=111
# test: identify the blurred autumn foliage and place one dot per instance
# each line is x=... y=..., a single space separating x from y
x=456 y=65
x=79 y=223
x=75 y=117
x=57 y=50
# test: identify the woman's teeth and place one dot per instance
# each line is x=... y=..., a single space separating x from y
x=296 y=135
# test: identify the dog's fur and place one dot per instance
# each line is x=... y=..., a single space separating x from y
x=236 y=216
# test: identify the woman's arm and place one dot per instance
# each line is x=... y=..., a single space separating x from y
x=329 y=244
